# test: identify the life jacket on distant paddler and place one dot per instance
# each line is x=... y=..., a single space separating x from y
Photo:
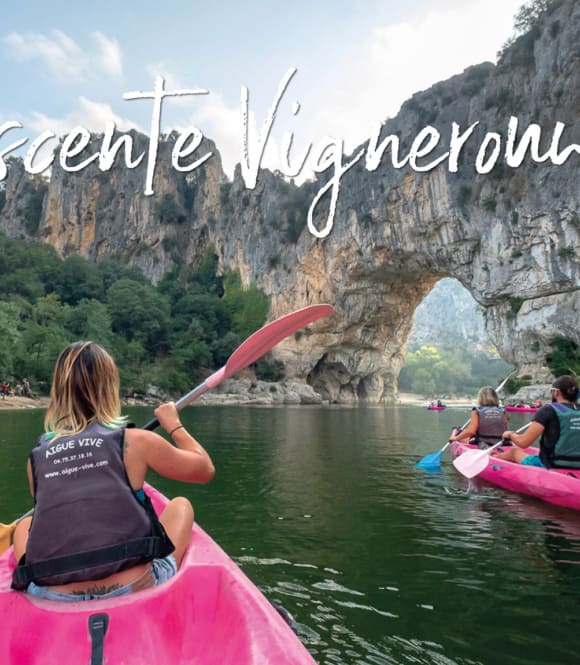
x=88 y=522
x=566 y=453
x=491 y=425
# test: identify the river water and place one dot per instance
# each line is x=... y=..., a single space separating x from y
x=378 y=561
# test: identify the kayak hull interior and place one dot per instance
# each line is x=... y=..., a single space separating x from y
x=210 y=613
x=560 y=487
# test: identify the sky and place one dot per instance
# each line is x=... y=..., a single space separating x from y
x=64 y=64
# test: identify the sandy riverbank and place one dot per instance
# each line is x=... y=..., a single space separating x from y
x=24 y=403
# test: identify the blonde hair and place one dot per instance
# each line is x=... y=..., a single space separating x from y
x=85 y=388
x=487 y=397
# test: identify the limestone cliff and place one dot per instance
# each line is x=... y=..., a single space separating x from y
x=510 y=237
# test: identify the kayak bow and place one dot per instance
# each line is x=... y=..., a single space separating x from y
x=210 y=613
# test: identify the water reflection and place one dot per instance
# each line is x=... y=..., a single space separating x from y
x=379 y=562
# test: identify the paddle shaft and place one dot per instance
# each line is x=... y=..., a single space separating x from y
x=253 y=348
x=248 y=352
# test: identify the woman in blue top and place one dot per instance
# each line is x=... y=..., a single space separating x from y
x=558 y=425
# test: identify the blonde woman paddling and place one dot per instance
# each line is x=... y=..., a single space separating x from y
x=94 y=533
x=487 y=423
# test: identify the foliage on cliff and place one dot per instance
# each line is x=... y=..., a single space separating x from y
x=564 y=357
x=165 y=335
x=520 y=46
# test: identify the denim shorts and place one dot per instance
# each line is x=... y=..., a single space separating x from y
x=533 y=460
x=162 y=569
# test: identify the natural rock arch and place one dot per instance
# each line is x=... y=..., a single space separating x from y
x=510 y=237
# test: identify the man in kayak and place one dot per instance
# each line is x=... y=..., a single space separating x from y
x=94 y=532
x=558 y=425
x=487 y=422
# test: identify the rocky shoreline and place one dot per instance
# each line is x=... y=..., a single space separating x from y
x=247 y=391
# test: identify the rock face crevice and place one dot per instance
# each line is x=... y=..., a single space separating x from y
x=511 y=237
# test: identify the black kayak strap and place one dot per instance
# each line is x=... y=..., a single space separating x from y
x=139 y=548
x=98 y=624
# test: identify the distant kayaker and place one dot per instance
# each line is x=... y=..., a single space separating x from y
x=558 y=425
x=487 y=422
x=94 y=532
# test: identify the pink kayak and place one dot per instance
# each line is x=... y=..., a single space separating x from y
x=557 y=486
x=208 y=614
x=521 y=409
x=432 y=407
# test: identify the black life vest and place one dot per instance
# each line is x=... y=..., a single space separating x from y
x=491 y=424
x=88 y=523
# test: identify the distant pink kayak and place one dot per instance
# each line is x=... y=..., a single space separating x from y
x=521 y=409
x=210 y=613
x=557 y=486
x=432 y=407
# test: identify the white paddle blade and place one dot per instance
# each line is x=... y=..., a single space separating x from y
x=472 y=462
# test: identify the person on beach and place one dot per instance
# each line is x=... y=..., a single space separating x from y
x=94 y=532
x=487 y=423
x=558 y=426
x=26 y=390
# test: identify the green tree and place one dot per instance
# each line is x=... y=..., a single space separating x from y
x=114 y=268
x=247 y=308
x=138 y=312
x=10 y=336
x=90 y=320
x=432 y=370
x=564 y=357
x=39 y=347
x=132 y=361
x=423 y=382
x=80 y=279
x=22 y=282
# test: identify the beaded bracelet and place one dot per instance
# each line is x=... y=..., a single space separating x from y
x=175 y=429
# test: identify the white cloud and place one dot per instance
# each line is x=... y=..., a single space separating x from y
x=64 y=58
x=403 y=58
x=90 y=114
x=109 y=55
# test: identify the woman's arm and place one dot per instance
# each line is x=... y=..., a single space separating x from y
x=469 y=431
x=187 y=461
